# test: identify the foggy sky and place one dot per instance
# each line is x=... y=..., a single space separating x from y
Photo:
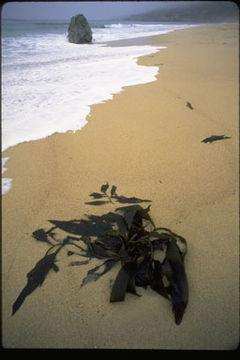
x=66 y=9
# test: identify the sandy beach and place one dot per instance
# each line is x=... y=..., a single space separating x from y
x=148 y=143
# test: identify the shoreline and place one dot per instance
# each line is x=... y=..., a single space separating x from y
x=147 y=142
x=138 y=41
x=144 y=40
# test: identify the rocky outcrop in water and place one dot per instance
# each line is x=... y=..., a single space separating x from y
x=79 y=31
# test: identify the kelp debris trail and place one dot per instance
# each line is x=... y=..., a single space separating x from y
x=127 y=235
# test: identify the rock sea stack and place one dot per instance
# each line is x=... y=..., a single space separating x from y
x=79 y=31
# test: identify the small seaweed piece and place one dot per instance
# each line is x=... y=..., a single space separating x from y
x=215 y=138
x=189 y=105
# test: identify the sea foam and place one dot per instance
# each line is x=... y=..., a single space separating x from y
x=52 y=92
x=6 y=182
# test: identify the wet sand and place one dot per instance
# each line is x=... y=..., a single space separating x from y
x=147 y=142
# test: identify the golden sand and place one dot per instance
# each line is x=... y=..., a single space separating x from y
x=147 y=142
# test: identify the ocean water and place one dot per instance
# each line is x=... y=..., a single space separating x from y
x=49 y=84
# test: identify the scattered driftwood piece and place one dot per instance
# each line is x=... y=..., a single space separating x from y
x=129 y=236
x=215 y=138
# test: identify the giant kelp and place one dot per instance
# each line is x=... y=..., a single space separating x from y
x=127 y=235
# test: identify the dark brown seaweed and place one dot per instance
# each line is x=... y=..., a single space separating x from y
x=215 y=138
x=129 y=236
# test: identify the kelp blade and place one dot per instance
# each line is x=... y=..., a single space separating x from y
x=132 y=213
x=179 y=310
x=142 y=274
x=120 y=286
x=131 y=288
x=178 y=281
x=94 y=274
x=156 y=281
